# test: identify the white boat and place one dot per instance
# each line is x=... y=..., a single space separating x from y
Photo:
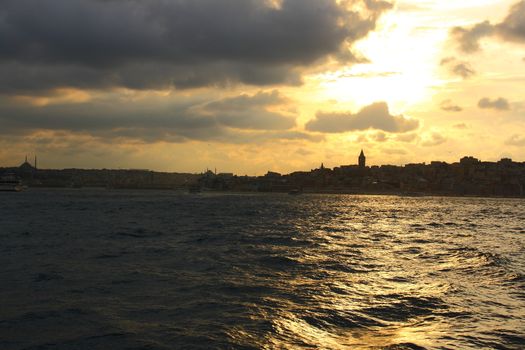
x=11 y=183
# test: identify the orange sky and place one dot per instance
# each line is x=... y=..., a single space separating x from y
x=265 y=85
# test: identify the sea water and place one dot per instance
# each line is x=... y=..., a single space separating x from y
x=102 y=269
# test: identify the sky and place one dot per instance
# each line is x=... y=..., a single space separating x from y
x=248 y=86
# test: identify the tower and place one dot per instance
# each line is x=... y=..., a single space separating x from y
x=362 y=160
x=35 y=163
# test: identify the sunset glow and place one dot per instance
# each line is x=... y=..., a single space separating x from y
x=262 y=174
x=156 y=107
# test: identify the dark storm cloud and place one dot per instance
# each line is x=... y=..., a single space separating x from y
x=511 y=29
x=223 y=120
x=375 y=116
x=249 y=112
x=37 y=79
x=162 y=43
x=500 y=104
x=244 y=101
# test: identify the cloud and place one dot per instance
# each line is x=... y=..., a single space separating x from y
x=407 y=137
x=435 y=139
x=235 y=119
x=380 y=137
x=464 y=70
x=513 y=26
x=159 y=44
x=468 y=39
x=369 y=75
x=289 y=135
x=362 y=138
x=378 y=5
x=394 y=151
x=449 y=106
x=516 y=140
x=304 y=152
x=500 y=104
x=460 y=126
x=511 y=29
x=250 y=112
x=411 y=7
x=459 y=68
x=375 y=116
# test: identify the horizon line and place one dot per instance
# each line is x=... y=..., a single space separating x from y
x=270 y=171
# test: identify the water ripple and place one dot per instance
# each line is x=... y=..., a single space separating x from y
x=157 y=270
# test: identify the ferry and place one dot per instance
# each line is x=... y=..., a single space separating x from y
x=10 y=183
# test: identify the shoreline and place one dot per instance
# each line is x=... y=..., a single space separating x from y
x=408 y=194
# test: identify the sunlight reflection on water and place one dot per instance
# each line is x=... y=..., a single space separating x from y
x=163 y=271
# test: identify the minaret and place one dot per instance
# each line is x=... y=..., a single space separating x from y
x=362 y=160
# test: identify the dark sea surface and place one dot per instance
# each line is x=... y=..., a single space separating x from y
x=100 y=269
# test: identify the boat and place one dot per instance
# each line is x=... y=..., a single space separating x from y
x=11 y=183
x=295 y=192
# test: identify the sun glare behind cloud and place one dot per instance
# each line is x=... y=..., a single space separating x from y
x=401 y=69
x=318 y=56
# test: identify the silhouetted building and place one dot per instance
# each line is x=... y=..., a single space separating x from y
x=273 y=175
x=26 y=167
x=469 y=176
x=468 y=161
x=505 y=162
x=362 y=160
